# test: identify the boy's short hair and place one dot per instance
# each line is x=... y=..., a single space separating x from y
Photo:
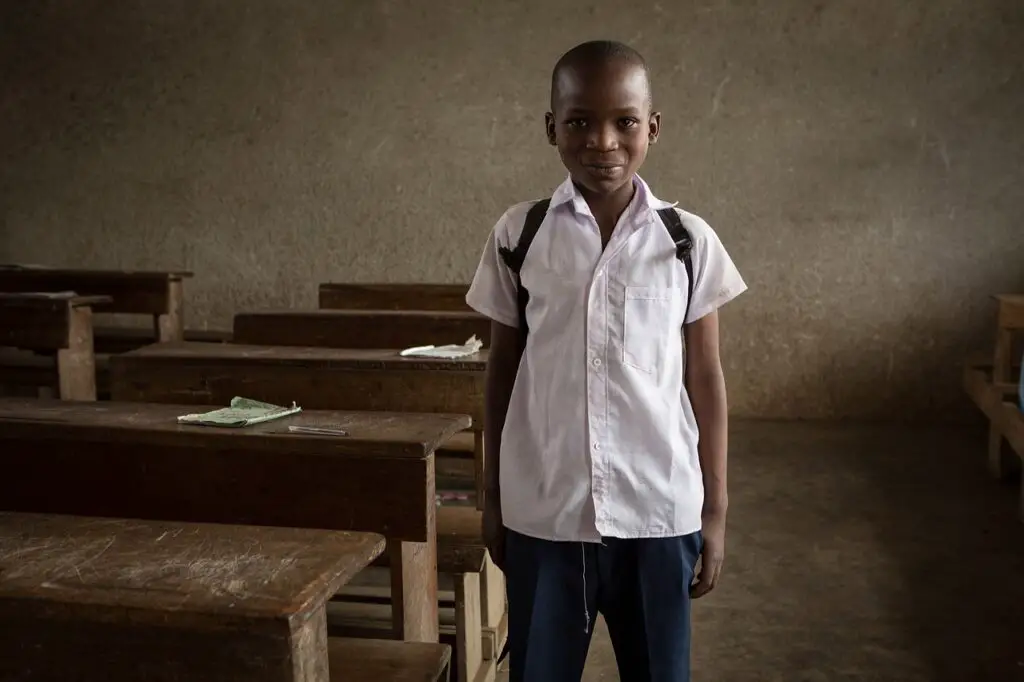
x=595 y=52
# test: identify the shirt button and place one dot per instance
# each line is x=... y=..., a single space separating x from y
x=597 y=446
x=597 y=362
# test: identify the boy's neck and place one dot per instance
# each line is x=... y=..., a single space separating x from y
x=607 y=208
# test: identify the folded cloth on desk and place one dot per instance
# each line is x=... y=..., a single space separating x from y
x=242 y=412
x=472 y=346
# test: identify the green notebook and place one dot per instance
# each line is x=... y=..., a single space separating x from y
x=242 y=412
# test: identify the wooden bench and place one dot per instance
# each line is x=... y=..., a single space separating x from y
x=157 y=294
x=123 y=339
x=415 y=296
x=993 y=384
x=324 y=378
x=135 y=460
x=58 y=323
x=107 y=599
x=368 y=329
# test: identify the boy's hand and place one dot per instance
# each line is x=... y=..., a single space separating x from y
x=713 y=554
x=494 y=530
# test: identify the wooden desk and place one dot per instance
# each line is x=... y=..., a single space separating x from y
x=134 y=460
x=415 y=296
x=365 y=329
x=113 y=600
x=316 y=378
x=159 y=294
x=58 y=323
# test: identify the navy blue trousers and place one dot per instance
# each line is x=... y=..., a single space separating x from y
x=641 y=587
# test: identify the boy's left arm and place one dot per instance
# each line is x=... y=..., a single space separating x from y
x=705 y=384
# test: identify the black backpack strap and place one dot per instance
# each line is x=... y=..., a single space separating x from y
x=684 y=247
x=514 y=259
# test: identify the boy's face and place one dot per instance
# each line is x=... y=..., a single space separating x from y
x=602 y=123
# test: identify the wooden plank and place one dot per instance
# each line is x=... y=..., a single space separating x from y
x=316 y=378
x=206 y=575
x=381 y=660
x=467 y=620
x=95 y=599
x=417 y=296
x=140 y=292
x=359 y=328
x=118 y=459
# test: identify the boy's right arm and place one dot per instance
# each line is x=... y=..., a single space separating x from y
x=493 y=294
x=502 y=365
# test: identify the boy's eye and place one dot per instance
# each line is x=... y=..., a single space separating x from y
x=576 y=123
x=629 y=123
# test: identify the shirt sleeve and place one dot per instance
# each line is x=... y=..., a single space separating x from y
x=493 y=290
x=716 y=279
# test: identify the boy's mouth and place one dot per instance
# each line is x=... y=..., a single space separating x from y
x=604 y=168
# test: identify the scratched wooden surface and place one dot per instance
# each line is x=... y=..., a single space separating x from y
x=113 y=600
x=418 y=296
x=316 y=378
x=396 y=329
x=167 y=568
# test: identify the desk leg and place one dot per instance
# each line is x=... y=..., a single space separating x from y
x=414 y=590
x=493 y=607
x=76 y=364
x=171 y=325
x=1001 y=370
x=308 y=643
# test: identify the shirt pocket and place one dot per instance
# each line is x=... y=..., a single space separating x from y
x=647 y=316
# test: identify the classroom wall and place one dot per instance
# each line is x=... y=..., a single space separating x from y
x=861 y=159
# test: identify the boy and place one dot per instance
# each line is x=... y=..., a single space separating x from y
x=600 y=497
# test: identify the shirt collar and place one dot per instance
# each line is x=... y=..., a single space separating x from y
x=566 y=193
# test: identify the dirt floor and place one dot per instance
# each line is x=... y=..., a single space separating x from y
x=861 y=553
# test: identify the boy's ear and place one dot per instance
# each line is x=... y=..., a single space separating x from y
x=654 y=126
x=549 y=127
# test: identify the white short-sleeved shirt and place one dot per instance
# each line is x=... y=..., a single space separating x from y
x=600 y=439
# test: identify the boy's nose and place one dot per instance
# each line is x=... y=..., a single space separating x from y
x=602 y=139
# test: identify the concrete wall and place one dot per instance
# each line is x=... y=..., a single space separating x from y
x=861 y=159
